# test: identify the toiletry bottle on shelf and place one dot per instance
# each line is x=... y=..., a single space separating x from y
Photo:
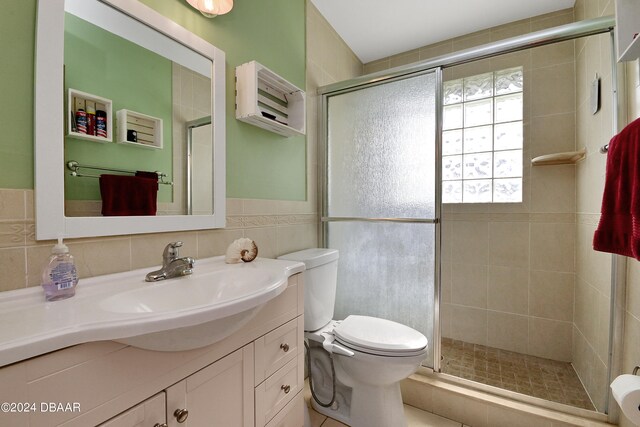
x=91 y=118
x=59 y=278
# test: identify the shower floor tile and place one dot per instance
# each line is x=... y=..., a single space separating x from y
x=534 y=376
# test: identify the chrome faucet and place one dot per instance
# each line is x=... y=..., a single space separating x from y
x=172 y=266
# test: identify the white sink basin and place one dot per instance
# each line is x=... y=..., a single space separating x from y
x=170 y=315
x=218 y=288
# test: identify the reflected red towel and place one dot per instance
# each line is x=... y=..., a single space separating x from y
x=619 y=229
x=128 y=195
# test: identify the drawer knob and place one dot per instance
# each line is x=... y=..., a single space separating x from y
x=284 y=347
x=181 y=415
x=286 y=388
x=160 y=425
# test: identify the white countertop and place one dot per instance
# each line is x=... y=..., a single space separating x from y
x=31 y=326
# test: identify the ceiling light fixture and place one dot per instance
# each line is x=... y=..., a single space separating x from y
x=212 y=8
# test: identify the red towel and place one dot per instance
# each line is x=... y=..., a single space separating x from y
x=128 y=195
x=619 y=229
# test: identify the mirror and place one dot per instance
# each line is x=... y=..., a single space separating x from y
x=138 y=95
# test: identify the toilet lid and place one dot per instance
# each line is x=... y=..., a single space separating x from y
x=380 y=336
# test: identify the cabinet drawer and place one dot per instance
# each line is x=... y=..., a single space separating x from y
x=277 y=348
x=292 y=415
x=150 y=412
x=277 y=390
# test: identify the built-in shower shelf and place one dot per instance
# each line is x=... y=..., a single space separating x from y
x=266 y=100
x=566 y=158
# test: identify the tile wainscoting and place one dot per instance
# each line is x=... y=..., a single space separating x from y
x=276 y=226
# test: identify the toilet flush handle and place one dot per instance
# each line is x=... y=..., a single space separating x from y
x=331 y=347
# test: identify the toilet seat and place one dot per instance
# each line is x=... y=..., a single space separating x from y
x=379 y=337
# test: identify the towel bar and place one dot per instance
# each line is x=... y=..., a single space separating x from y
x=75 y=167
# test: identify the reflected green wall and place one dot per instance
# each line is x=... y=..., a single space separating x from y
x=133 y=78
x=260 y=164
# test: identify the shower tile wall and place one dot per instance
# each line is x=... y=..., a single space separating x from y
x=593 y=269
x=631 y=353
x=508 y=270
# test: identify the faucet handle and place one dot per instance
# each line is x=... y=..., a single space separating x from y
x=171 y=251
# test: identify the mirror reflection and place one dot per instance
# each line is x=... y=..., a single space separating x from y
x=138 y=119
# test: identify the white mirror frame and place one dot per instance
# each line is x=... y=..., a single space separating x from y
x=51 y=221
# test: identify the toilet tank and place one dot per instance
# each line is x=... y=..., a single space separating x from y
x=320 y=279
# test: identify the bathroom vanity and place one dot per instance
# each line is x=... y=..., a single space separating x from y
x=253 y=377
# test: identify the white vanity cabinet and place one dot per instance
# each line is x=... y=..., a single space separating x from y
x=252 y=378
x=151 y=412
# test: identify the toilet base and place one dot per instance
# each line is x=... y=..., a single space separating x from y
x=365 y=409
x=364 y=406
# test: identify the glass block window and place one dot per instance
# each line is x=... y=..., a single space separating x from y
x=482 y=138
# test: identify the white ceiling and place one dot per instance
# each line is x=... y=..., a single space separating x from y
x=376 y=29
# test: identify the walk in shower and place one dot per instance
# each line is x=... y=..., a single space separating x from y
x=443 y=224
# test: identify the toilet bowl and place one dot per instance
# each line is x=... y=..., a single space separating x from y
x=370 y=356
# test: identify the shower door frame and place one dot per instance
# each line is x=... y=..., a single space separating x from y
x=324 y=181
x=545 y=37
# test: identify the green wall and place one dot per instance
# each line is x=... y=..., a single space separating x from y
x=133 y=78
x=260 y=164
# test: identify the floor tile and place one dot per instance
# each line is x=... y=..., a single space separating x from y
x=544 y=378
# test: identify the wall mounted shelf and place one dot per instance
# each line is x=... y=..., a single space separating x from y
x=138 y=129
x=627 y=29
x=567 y=158
x=77 y=100
x=266 y=100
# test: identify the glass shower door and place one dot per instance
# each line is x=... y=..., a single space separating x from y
x=381 y=204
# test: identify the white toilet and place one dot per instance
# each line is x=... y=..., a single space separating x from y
x=371 y=355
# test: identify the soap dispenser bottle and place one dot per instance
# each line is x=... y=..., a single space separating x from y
x=60 y=277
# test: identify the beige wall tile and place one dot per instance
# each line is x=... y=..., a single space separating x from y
x=553 y=134
x=509 y=244
x=471 y=40
x=503 y=417
x=102 y=257
x=633 y=288
x=553 y=189
x=13 y=268
x=405 y=58
x=445 y=320
x=460 y=408
x=552 y=246
x=557 y=53
x=554 y=90
x=215 y=242
x=511 y=30
x=469 y=285
x=293 y=238
x=469 y=324
x=551 y=295
x=586 y=310
x=438 y=49
x=507 y=289
x=469 y=242
x=417 y=394
x=374 y=67
x=550 y=339
x=552 y=20
x=37 y=257
x=507 y=331
x=12 y=204
x=445 y=281
x=631 y=353
x=266 y=241
x=12 y=233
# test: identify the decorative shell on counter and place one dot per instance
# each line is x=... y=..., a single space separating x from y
x=243 y=249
